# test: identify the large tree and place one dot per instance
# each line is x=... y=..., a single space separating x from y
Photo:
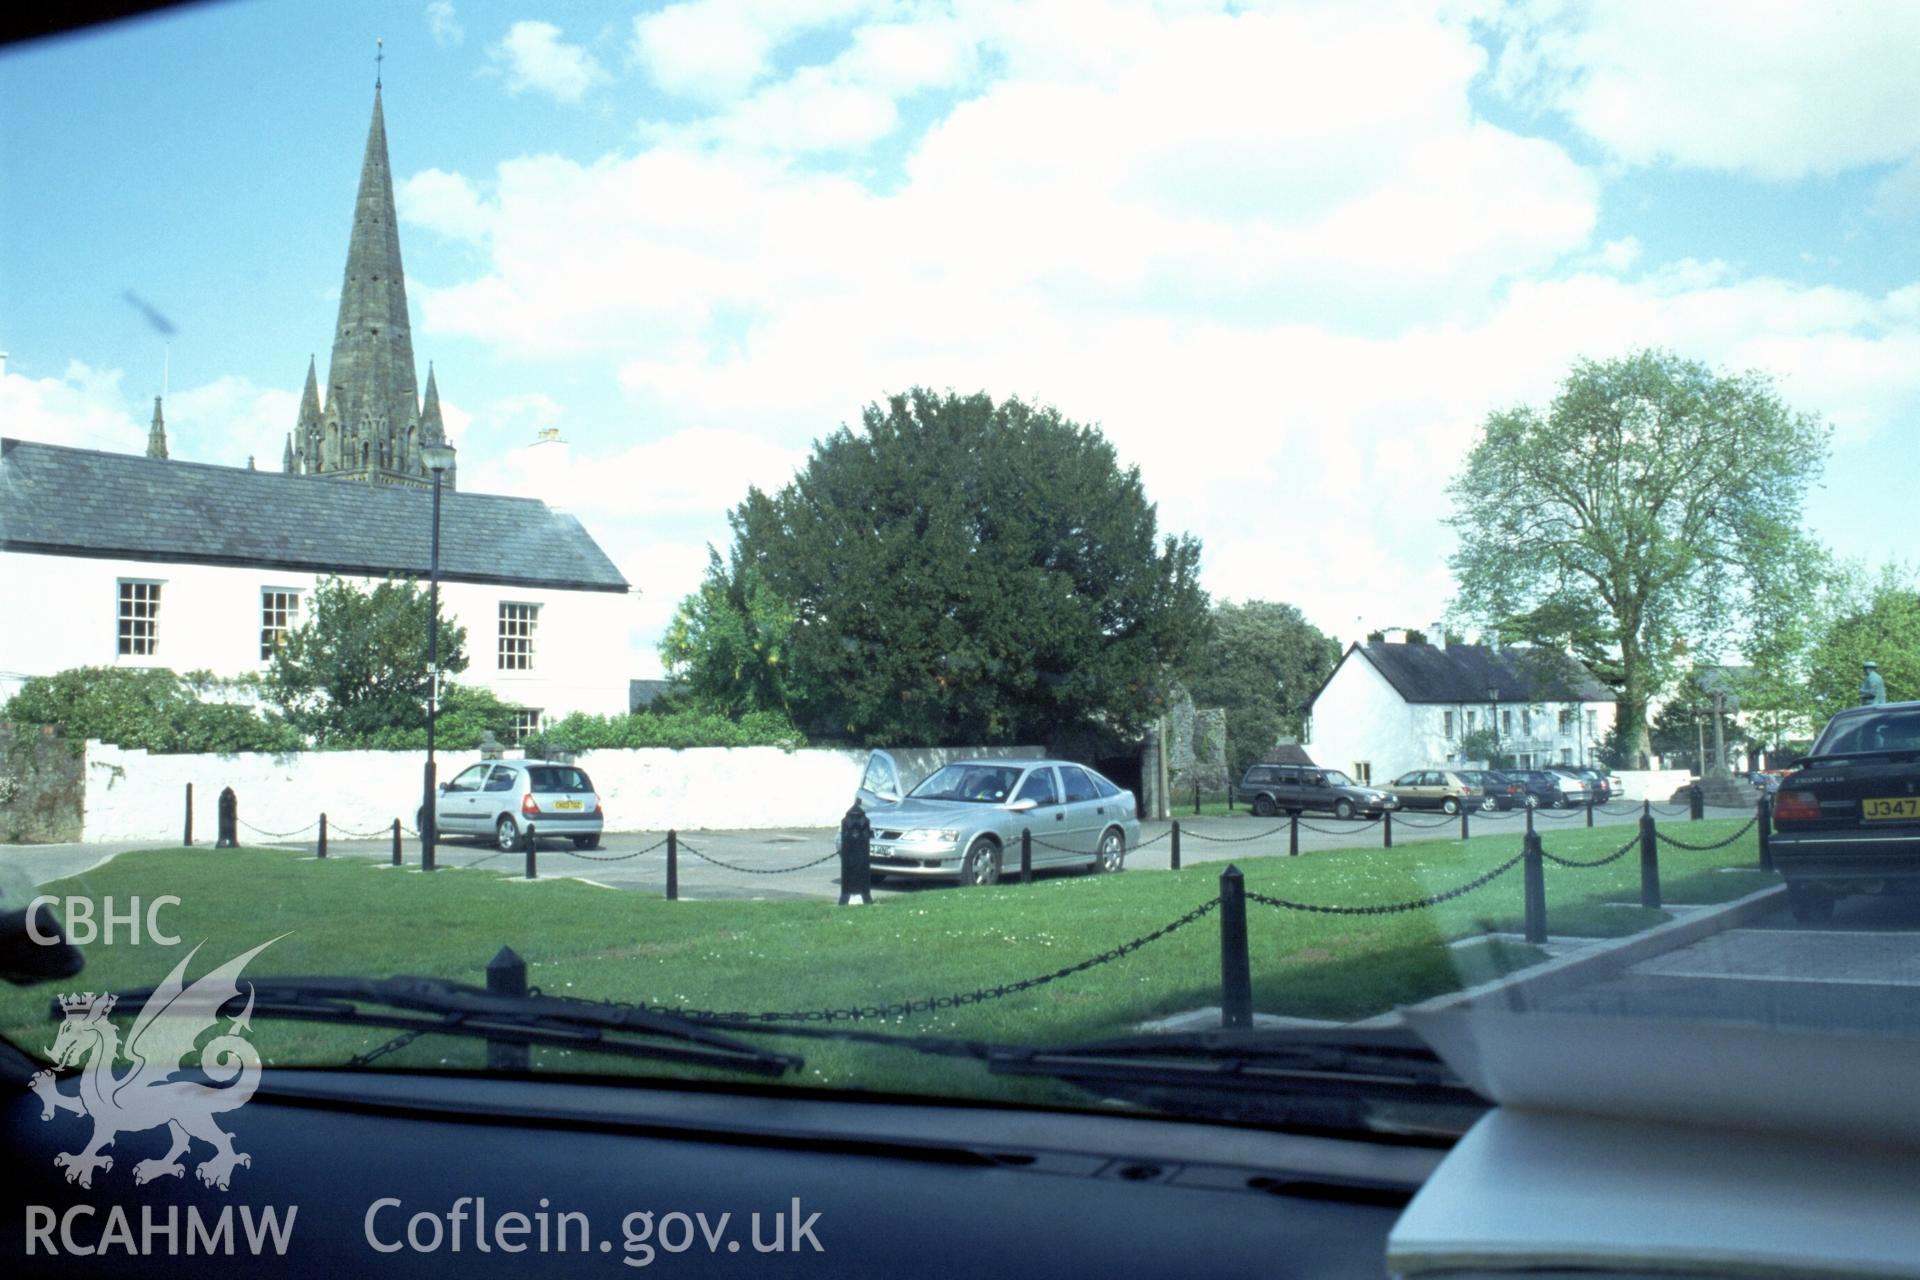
x=1261 y=661
x=1639 y=517
x=356 y=667
x=954 y=571
x=1885 y=629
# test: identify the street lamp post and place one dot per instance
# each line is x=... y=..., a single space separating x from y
x=1493 y=696
x=438 y=458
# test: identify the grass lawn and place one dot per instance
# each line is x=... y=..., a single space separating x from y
x=349 y=916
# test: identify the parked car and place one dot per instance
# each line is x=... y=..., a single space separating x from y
x=1547 y=789
x=515 y=802
x=964 y=821
x=1497 y=790
x=1290 y=788
x=1445 y=789
x=1596 y=783
x=1847 y=820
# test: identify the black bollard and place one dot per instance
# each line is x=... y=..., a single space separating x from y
x=1463 y=822
x=1589 y=809
x=229 y=820
x=856 y=859
x=320 y=849
x=1196 y=799
x=1293 y=835
x=1386 y=828
x=1176 y=844
x=673 y=866
x=1649 y=860
x=1763 y=823
x=1236 y=972
x=1536 y=888
x=533 y=858
x=1696 y=803
x=187 y=836
x=1026 y=856
x=507 y=976
x=396 y=842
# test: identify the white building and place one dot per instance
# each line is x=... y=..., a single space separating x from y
x=1391 y=707
x=110 y=559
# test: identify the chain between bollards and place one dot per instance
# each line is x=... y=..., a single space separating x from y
x=1236 y=971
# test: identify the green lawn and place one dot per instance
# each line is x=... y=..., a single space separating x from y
x=348 y=916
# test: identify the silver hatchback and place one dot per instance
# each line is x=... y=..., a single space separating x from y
x=964 y=821
x=516 y=802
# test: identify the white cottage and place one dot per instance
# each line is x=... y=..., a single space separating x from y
x=1391 y=707
x=111 y=559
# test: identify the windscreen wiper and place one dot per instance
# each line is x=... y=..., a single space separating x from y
x=1342 y=1077
x=435 y=1006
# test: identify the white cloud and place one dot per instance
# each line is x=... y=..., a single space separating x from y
x=1776 y=89
x=444 y=23
x=534 y=57
x=715 y=50
x=444 y=202
x=83 y=408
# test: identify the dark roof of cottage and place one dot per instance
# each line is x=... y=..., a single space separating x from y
x=84 y=502
x=1466 y=672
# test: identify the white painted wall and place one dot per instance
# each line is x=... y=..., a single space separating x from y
x=64 y=613
x=133 y=795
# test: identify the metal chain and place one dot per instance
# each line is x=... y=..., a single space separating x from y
x=334 y=828
x=1615 y=856
x=1339 y=831
x=1201 y=835
x=1559 y=815
x=1424 y=826
x=1496 y=815
x=1706 y=848
x=757 y=871
x=928 y=1004
x=1155 y=840
x=276 y=835
x=1419 y=904
x=613 y=857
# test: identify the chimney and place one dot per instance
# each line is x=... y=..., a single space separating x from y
x=1395 y=635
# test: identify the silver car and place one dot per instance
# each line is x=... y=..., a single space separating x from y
x=514 y=802
x=964 y=821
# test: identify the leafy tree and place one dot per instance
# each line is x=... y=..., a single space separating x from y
x=1483 y=744
x=1887 y=631
x=1640 y=516
x=690 y=727
x=152 y=709
x=466 y=713
x=955 y=571
x=357 y=665
x=1260 y=662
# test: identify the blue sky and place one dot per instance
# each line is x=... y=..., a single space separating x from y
x=1288 y=257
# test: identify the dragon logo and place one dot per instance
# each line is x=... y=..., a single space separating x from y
x=146 y=1096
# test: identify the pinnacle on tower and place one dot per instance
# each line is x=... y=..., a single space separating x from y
x=157 y=433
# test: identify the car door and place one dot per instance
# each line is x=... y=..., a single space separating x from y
x=1047 y=820
x=497 y=795
x=879 y=782
x=1086 y=811
x=1410 y=787
x=453 y=810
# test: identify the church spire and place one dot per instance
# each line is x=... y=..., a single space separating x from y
x=373 y=406
x=157 y=433
x=433 y=430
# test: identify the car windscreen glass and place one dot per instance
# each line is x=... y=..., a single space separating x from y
x=548 y=779
x=969 y=783
x=1893 y=730
x=1335 y=778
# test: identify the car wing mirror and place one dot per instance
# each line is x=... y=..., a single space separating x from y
x=1023 y=805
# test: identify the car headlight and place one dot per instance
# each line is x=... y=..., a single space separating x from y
x=927 y=835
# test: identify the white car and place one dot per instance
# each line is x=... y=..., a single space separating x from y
x=515 y=802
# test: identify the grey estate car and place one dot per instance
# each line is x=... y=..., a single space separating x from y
x=964 y=821
x=1275 y=788
x=514 y=801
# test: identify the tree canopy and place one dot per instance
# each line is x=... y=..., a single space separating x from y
x=954 y=571
x=1260 y=661
x=1885 y=630
x=152 y=709
x=356 y=666
x=1644 y=514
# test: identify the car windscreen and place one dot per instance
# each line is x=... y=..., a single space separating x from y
x=1896 y=730
x=970 y=783
x=1335 y=778
x=551 y=778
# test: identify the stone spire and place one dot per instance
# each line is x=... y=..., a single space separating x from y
x=369 y=428
x=308 y=430
x=286 y=459
x=432 y=429
x=157 y=433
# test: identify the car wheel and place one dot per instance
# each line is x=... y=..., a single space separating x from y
x=1263 y=806
x=1112 y=855
x=1559 y=802
x=982 y=863
x=1489 y=804
x=586 y=842
x=1343 y=808
x=506 y=835
x=1449 y=806
x=1809 y=903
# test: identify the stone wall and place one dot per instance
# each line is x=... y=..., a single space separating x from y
x=41 y=787
x=1196 y=747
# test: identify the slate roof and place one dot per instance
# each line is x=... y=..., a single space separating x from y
x=1426 y=673
x=84 y=502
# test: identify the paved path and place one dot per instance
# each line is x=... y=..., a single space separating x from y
x=759 y=864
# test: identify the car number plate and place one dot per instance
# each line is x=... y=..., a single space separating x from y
x=568 y=804
x=1891 y=809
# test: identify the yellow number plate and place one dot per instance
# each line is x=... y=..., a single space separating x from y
x=1891 y=809
x=567 y=804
